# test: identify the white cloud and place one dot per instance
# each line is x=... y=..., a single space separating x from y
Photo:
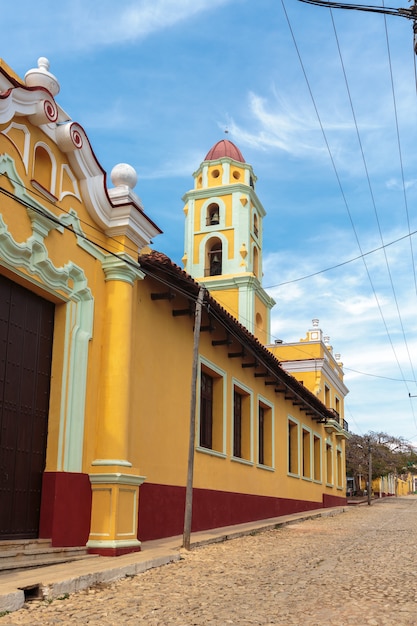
x=82 y=26
x=397 y=184
x=284 y=125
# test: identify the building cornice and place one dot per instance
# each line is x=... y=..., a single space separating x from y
x=225 y=190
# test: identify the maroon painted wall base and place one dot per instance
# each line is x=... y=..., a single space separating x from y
x=161 y=509
x=65 y=508
x=329 y=501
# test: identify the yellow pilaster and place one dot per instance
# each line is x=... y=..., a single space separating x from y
x=115 y=483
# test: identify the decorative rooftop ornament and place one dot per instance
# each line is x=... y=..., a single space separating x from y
x=42 y=77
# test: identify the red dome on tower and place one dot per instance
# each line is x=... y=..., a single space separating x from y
x=224 y=148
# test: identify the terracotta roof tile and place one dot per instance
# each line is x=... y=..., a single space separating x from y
x=224 y=148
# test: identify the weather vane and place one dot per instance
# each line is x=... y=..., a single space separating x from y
x=410 y=13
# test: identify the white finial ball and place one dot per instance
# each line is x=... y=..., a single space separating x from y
x=124 y=174
x=43 y=63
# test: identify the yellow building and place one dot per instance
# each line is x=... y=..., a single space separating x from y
x=97 y=339
x=312 y=362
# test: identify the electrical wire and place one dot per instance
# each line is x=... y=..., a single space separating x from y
x=374 y=204
x=339 y=5
x=157 y=276
x=342 y=263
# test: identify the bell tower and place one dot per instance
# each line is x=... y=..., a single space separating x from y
x=223 y=237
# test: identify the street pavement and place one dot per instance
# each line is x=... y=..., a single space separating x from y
x=358 y=567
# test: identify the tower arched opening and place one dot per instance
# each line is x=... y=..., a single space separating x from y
x=214 y=253
x=213 y=214
x=256 y=261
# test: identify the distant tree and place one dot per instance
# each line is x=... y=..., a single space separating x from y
x=389 y=455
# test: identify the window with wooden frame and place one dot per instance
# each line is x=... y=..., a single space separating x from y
x=206 y=411
x=241 y=424
x=265 y=435
x=306 y=447
x=329 y=463
x=293 y=455
x=316 y=458
x=327 y=396
x=211 y=422
x=339 y=470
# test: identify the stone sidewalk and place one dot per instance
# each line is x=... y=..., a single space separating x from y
x=49 y=583
x=357 y=568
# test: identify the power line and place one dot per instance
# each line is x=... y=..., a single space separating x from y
x=373 y=198
x=342 y=263
x=362 y=256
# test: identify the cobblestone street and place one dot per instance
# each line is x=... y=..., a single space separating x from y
x=359 y=568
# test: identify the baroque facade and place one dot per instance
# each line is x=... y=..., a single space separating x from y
x=97 y=349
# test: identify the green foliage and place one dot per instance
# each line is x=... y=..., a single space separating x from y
x=389 y=455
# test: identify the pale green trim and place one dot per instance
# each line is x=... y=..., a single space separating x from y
x=236 y=383
x=71 y=219
x=69 y=284
x=295 y=421
x=223 y=375
x=78 y=332
x=263 y=400
x=226 y=190
x=220 y=455
x=308 y=430
x=268 y=468
x=239 y=459
x=116 y=478
x=320 y=438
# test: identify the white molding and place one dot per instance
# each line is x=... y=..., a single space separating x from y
x=116 y=478
x=26 y=143
x=124 y=219
x=113 y=543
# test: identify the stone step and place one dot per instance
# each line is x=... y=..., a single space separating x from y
x=25 y=554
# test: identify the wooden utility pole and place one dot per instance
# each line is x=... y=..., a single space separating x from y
x=369 y=472
x=190 y=472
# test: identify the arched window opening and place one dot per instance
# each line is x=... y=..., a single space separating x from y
x=256 y=262
x=213 y=214
x=259 y=322
x=255 y=225
x=214 y=258
x=42 y=169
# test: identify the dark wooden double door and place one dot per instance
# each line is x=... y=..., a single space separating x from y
x=26 y=335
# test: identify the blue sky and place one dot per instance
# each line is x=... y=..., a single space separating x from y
x=323 y=105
